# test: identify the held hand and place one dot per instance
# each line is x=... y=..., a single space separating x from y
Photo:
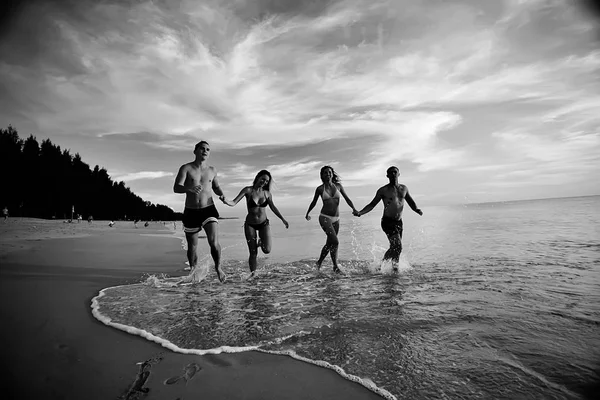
x=222 y=198
x=356 y=213
x=308 y=217
x=286 y=224
x=419 y=211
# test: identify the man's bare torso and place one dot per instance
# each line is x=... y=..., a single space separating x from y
x=393 y=200
x=204 y=177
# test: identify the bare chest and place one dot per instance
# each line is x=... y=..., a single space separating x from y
x=197 y=176
x=394 y=195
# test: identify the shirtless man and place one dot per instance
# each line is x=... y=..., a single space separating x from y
x=393 y=195
x=198 y=181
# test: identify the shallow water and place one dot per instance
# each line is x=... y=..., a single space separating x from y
x=491 y=301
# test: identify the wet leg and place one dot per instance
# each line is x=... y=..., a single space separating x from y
x=331 y=244
x=334 y=246
x=212 y=235
x=192 y=249
x=393 y=253
x=250 y=233
x=265 y=239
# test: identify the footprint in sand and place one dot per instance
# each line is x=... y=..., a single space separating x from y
x=188 y=373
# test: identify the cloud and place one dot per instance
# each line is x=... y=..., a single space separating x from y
x=468 y=87
x=134 y=176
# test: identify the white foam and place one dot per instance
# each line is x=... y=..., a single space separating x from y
x=147 y=335
x=367 y=383
x=386 y=267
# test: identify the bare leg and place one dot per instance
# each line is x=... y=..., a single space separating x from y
x=192 y=249
x=334 y=249
x=331 y=245
x=212 y=235
x=393 y=253
x=250 y=233
x=265 y=239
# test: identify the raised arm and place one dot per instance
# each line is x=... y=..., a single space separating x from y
x=276 y=211
x=371 y=205
x=411 y=203
x=313 y=203
x=237 y=199
x=341 y=189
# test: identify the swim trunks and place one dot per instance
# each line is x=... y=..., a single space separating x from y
x=258 y=227
x=194 y=219
x=391 y=226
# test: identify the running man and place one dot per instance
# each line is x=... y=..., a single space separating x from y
x=393 y=195
x=198 y=181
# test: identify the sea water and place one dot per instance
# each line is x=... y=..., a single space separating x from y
x=496 y=300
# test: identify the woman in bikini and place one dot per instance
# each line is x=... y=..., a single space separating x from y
x=258 y=197
x=329 y=219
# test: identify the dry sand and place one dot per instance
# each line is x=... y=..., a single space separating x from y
x=55 y=349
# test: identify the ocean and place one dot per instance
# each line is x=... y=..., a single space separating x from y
x=492 y=301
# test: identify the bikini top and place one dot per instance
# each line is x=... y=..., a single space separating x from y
x=327 y=196
x=251 y=203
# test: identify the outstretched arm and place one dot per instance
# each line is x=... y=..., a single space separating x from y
x=237 y=199
x=276 y=211
x=215 y=186
x=371 y=205
x=313 y=203
x=411 y=203
x=341 y=188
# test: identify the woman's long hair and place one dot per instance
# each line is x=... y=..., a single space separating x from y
x=336 y=178
x=261 y=173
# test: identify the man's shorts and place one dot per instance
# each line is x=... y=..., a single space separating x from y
x=194 y=219
x=391 y=226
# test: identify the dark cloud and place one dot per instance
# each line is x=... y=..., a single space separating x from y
x=592 y=9
x=139 y=137
x=341 y=149
x=592 y=6
x=32 y=38
x=251 y=10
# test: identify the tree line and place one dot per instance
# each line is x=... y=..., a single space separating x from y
x=43 y=181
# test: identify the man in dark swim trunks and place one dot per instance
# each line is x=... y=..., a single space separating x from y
x=393 y=195
x=198 y=181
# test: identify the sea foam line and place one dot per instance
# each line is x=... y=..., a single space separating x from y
x=367 y=383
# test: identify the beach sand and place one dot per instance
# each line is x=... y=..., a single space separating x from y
x=55 y=349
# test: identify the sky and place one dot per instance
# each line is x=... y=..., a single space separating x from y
x=473 y=100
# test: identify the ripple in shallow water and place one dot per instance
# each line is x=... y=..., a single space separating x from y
x=480 y=331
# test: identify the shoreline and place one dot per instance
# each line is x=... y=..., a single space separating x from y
x=366 y=383
x=58 y=349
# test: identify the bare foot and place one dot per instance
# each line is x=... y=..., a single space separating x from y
x=338 y=271
x=221 y=275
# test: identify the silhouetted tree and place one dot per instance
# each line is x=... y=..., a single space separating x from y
x=45 y=181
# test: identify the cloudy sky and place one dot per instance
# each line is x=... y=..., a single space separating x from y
x=474 y=100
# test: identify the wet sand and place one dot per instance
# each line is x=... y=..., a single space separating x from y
x=55 y=349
